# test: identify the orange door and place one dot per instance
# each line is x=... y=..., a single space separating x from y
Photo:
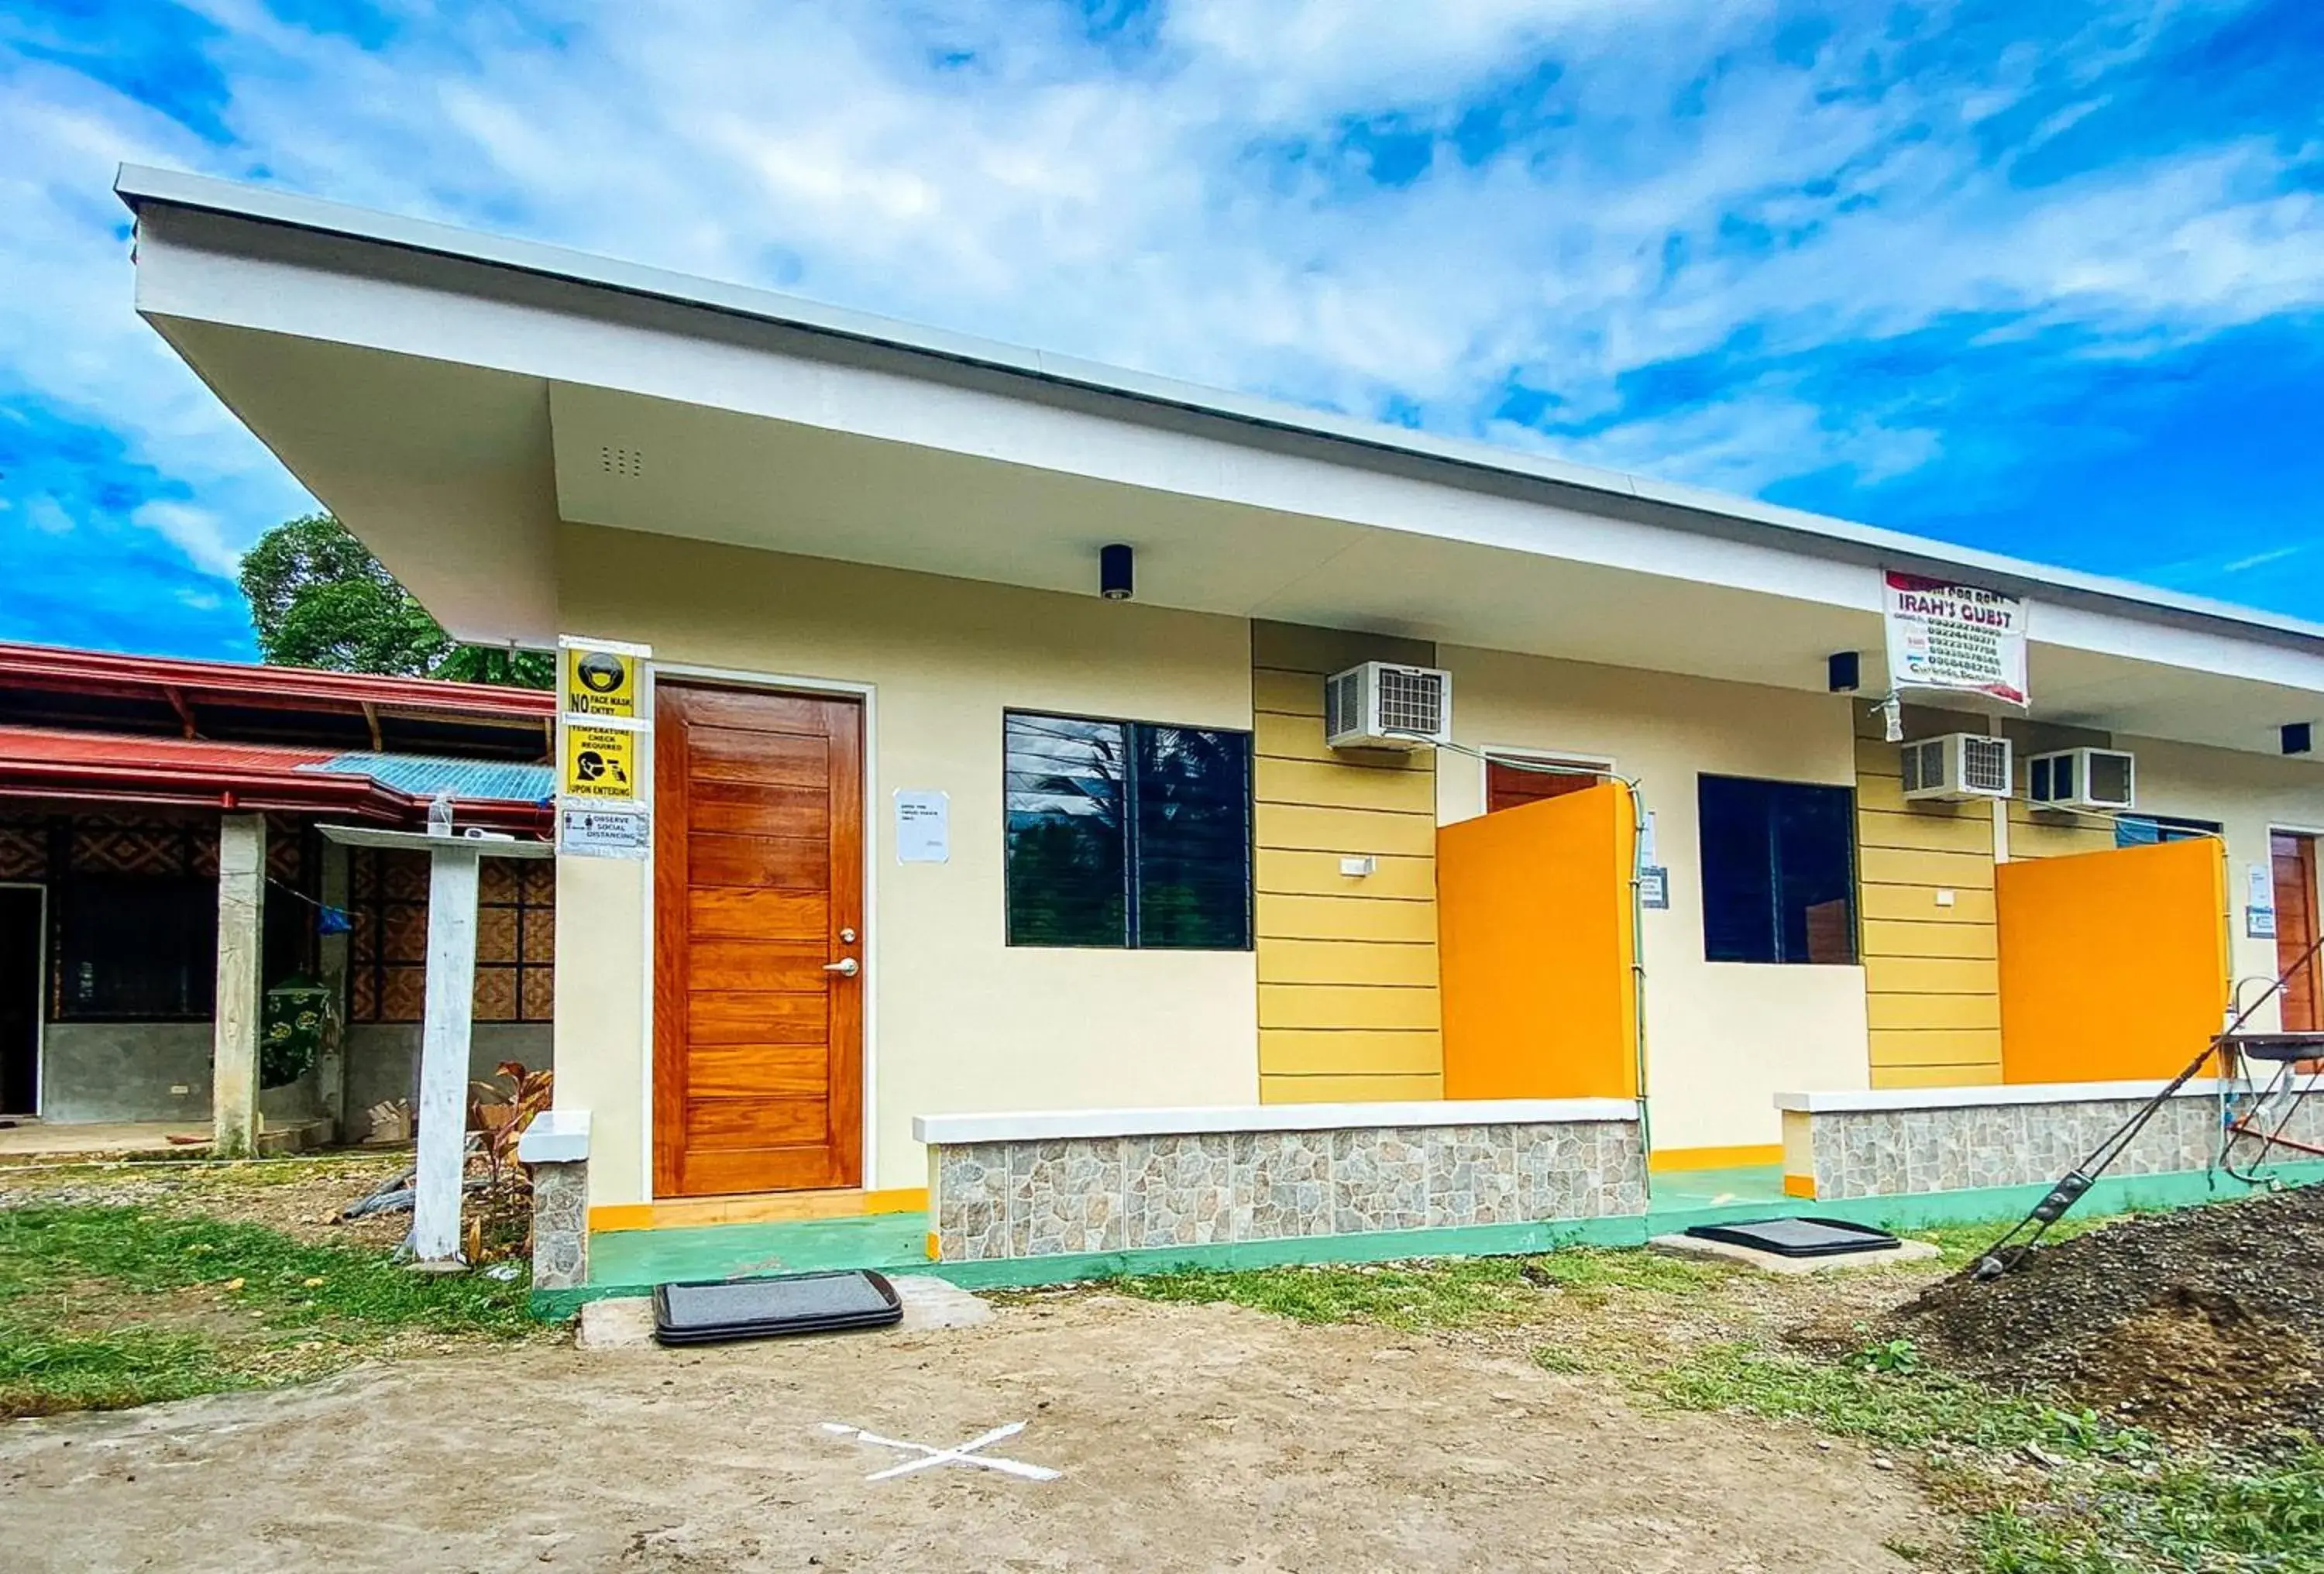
x=2295 y=933
x=758 y=916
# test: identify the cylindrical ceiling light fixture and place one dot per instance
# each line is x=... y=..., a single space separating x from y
x=1114 y=572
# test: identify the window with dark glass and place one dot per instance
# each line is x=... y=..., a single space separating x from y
x=1125 y=834
x=136 y=948
x=1778 y=871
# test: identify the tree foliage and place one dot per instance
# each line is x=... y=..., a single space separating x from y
x=319 y=598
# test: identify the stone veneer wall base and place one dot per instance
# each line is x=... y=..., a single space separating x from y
x=1041 y=1198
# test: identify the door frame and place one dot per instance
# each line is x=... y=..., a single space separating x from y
x=2315 y=835
x=867 y=695
x=40 y=996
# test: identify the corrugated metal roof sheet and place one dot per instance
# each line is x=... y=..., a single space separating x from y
x=424 y=777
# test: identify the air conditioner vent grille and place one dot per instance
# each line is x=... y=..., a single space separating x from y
x=1985 y=765
x=1410 y=701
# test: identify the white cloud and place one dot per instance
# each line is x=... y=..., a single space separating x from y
x=1044 y=192
x=197 y=532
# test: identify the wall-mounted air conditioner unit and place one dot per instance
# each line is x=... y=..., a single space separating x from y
x=2083 y=778
x=1956 y=768
x=1383 y=706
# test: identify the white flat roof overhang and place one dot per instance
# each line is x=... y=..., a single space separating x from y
x=454 y=397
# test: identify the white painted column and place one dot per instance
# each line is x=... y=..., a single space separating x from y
x=241 y=961
x=444 y=1054
x=331 y=962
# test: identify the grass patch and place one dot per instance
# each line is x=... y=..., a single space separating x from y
x=1415 y=1296
x=89 y=1295
x=2048 y=1490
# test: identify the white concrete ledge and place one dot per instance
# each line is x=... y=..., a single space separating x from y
x=556 y=1136
x=1046 y=1124
x=1861 y=1100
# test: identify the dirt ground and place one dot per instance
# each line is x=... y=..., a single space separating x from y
x=2206 y=1324
x=1189 y=1437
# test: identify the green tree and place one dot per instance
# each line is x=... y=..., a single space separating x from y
x=319 y=598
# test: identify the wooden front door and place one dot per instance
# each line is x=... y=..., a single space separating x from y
x=2295 y=933
x=1512 y=787
x=758 y=942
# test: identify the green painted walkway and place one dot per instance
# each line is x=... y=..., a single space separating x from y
x=632 y=1262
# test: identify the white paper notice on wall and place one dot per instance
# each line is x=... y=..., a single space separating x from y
x=1646 y=840
x=923 y=827
x=1654 y=887
x=2259 y=886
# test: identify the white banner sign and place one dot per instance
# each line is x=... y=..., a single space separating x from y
x=1954 y=637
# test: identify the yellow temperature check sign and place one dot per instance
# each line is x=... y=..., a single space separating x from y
x=600 y=682
x=600 y=762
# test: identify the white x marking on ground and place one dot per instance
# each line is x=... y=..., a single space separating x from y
x=965 y=1454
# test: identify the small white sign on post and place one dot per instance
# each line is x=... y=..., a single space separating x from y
x=604 y=832
x=1954 y=637
x=923 y=826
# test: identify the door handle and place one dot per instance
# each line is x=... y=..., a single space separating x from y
x=847 y=967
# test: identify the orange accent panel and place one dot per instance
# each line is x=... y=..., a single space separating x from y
x=1535 y=950
x=2114 y=965
x=1799 y=1185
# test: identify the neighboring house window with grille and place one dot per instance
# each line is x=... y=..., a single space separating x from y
x=516 y=938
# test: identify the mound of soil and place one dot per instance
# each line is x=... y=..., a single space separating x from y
x=2205 y=1324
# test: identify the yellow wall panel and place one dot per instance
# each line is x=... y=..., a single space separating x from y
x=1287 y=693
x=1936 y=1046
x=1282 y=737
x=1349 y=1090
x=1883 y=937
x=1341 y=961
x=1931 y=975
x=1918 y=904
x=1987 y=1075
x=1978 y=1011
x=1348 y=963
x=1344 y=1006
x=2037 y=839
x=1909 y=830
x=1317 y=874
x=1303 y=828
x=1889 y=866
x=1345 y=787
x=1376 y=1052
x=1357 y=918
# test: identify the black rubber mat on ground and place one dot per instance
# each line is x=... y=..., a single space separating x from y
x=1800 y=1238
x=719 y=1311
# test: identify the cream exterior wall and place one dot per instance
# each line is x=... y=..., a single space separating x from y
x=1722 y=1037
x=2247 y=794
x=955 y=1021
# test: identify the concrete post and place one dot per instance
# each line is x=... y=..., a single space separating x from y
x=444 y=1054
x=241 y=953
x=331 y=962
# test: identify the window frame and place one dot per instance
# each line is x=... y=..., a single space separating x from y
x=1853 y=888
x=1131 y=938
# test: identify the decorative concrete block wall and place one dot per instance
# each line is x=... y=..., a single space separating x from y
x=1039 y=1185
x=1952 y=1139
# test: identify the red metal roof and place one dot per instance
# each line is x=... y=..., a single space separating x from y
x=40 y=762
x=249 y=684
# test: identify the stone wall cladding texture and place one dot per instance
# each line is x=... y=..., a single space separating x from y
x=560 y=1226
x=1117 y=1193
x=1876 y=1152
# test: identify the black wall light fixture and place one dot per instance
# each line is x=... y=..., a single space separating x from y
x=1114 y=572
x=1842 y=672
x=2299 y=738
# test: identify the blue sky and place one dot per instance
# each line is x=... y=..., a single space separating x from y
x=2046 y=279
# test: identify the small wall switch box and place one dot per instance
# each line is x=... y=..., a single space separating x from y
x=1360 y=867
x=1945 y=899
